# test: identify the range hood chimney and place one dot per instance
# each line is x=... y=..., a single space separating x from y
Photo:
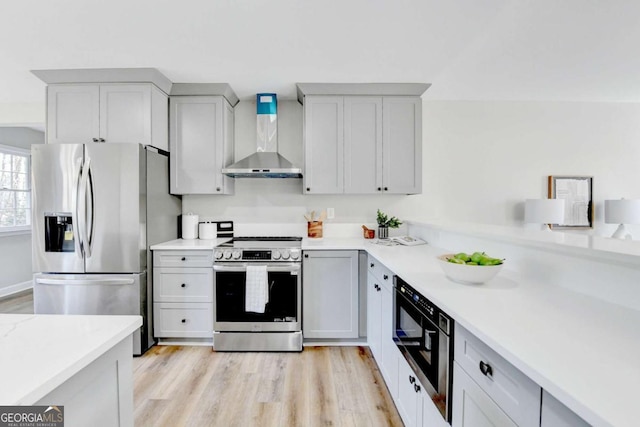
x=265 y=162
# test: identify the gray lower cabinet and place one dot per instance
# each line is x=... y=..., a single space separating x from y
x=330 y=306
x=201 y=141
x=183 y=294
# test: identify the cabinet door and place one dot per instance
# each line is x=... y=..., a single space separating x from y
x=374 y=324
x=196 y=143
x=388 y=347
x=330 y=294
x=323 y=145
x=472 y=407
x=73 y=114
x=431 y=417
x=125 y=113
x=402 y=145
x=362 y=144
x=409 y=401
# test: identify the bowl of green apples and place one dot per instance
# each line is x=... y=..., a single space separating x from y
x=472 y=269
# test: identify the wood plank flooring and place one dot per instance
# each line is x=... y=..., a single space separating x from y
x=195 y=386
x=322 y=386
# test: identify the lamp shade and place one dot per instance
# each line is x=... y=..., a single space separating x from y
x=622 y=211
x=544 y=211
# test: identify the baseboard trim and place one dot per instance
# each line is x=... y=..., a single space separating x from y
x=14 y=289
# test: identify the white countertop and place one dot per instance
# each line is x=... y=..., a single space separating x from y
x=188 y=244
x=582 y=350
x=40 y=352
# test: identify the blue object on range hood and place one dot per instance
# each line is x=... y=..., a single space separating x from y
x=266 y=162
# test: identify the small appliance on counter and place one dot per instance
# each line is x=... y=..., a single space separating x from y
x=190 y=226
x=207 y=230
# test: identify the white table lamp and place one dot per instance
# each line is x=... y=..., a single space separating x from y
x=544 y=212
x=622 y=212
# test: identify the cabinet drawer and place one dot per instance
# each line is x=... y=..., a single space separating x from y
x=176 y=320
x=183 y=284
x=183 y=258
x=515 y=393
x=380 y=272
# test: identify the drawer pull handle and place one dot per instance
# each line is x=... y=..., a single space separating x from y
x=184 y=320
x=385 y=277
x=412 y=379
x=184 y=285
x=184 y=258
x=416 y=387
x=486 y=369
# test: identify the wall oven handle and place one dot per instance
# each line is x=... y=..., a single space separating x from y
x=243 y=267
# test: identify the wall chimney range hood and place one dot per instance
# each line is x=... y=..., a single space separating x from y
x=266 y=162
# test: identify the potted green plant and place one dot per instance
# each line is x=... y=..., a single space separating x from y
x=385 y=223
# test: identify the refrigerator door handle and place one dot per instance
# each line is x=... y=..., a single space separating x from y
x=90 y=227
x=82 y=207
x=48 y=281
x=75 y=223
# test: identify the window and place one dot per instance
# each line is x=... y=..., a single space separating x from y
x=15 y=189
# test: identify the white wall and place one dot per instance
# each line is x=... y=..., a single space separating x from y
x=481 y=160
x=15 y=250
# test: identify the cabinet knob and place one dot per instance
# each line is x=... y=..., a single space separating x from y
x=372 y=265
x=95 y=139
x=385 y=277
x=184 y=320
x=486 y=369
x=101 y=140
x=308 y=188
x=412 y=379
x=386 y=188
x=416 y=387
x=379 y=188
x=306 y=255
x=184 y=285
x=184 y=258
x=217 y=188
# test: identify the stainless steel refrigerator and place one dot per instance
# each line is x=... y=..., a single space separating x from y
x=96 y=210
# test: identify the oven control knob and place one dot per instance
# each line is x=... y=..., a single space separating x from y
x=295 y=255
x=285 y=254
x=227 y=254
x=236 y=255
x=275 y=255
x=218 y=254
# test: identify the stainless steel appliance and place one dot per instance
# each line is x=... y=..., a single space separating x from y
x=424 y=335
x=279 y=327
x=96 y=210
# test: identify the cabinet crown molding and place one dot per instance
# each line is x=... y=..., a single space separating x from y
x=375 y=89
x=105 y=75
x=205 y=89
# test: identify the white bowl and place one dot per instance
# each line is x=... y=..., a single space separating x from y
x=467 y=274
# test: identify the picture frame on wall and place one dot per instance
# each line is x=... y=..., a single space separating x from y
x=577 y=191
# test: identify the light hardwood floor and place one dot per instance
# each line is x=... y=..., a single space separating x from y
x=322 y=386
x=195 y=386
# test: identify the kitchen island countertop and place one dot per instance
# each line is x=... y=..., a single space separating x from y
x=40 y=352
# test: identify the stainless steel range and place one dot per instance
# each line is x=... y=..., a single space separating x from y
x=258 y=289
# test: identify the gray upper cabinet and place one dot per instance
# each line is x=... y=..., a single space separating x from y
x=201 y=142
x=107 y=112
x=362 y=139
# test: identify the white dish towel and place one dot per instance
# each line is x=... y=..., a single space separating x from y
x=257 y=292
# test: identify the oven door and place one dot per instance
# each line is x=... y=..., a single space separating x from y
x=426 y=349
x=282 y=312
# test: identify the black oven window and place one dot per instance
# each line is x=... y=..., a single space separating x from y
x=230 y=298
x=419 y=338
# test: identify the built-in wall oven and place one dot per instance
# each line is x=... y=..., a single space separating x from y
x=424 y=335
x=258 y=290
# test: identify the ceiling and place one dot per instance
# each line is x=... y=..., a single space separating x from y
x=570 y=50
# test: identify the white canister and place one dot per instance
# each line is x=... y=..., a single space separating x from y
x=207 y=230
x=189 y=226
